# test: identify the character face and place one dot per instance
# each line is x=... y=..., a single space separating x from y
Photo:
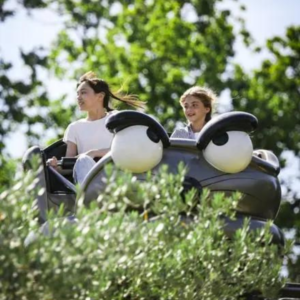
x=138 y=142
x=87 y=99
x=222 y=158
x=194 y=110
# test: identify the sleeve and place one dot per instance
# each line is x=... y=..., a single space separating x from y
x=70 y=134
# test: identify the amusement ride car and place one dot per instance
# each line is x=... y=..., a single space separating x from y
x=222 y=159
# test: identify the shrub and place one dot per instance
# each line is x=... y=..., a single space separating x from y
x=116 y=251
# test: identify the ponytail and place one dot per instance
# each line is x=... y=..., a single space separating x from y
x=101 y=86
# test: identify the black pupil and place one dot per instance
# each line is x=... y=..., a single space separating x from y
x=221 y=139
x=152 y=135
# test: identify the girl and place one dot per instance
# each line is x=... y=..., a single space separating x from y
x=197 y=105
x=89 y=138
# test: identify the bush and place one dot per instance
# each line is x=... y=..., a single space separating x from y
x=8 y=168
x=116 y=251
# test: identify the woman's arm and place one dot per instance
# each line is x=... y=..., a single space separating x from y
x=97 y=152
x=70 y=152
x=71 y=149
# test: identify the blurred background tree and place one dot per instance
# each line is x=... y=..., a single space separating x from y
x=272 y=93
x=157 y=49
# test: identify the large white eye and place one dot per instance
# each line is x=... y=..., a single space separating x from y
x=230 y=152
x=137 y=149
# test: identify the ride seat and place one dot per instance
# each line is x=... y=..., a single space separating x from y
x=54 y=185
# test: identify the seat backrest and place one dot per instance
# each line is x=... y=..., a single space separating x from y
x=54 y=185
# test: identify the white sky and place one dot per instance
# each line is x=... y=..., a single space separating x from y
x=264 y=19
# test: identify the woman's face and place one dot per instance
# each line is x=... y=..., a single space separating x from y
x=87 y=99
x=193 y=109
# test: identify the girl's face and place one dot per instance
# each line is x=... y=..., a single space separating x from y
x=193 y=109
x=87 y=99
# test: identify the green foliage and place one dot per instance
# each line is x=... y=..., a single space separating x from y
x=272 y=94
x=28 y=4
x=115 y=252
x=24 y=102
x=152 y=47
x=7 y=171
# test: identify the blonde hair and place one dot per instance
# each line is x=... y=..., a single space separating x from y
x=205 y=95
x=100 y=85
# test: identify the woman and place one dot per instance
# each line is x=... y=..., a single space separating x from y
x=89 y=138
x=197 y=103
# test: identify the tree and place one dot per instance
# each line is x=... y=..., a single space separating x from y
x=25 y=103
x=157 y=49
x=17 y=96
x=22 y=101
x=272 y=93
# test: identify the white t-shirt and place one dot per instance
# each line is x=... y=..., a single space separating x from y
x=185 y=133
x=88 y=135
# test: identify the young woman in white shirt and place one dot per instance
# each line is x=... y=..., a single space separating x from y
x=197 y=103
x=89 y=138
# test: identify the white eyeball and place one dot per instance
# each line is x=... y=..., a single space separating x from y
x=137 y=149
x=230 y=152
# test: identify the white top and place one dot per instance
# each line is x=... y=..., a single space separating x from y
x=185 y=133
x=196 y=135
x=88 y=135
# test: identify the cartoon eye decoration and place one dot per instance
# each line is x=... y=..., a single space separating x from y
x=138 y=142
x=229 y=152
x=137 y=149
x=225 y=141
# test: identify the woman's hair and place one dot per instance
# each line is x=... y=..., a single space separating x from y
x=205 y=95
x=101 y=86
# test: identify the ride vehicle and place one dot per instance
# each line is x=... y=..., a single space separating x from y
x=222 y=159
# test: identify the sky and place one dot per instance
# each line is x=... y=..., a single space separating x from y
x=264 y=19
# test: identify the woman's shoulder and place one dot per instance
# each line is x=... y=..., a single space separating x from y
x=77 y=123
x=84 y=122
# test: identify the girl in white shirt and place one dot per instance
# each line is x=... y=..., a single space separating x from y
x=197 y=105
x=89 y=138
